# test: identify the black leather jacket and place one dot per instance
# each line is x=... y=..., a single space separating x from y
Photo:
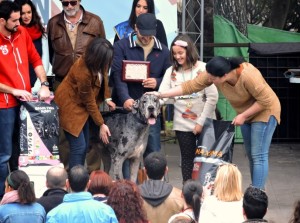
x=62 y=54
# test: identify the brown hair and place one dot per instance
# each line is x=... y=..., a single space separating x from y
x=100 y=183
x=191 y=53
x=125 y=199
x=19 y=180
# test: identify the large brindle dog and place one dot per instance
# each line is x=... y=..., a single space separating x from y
x=129 y=136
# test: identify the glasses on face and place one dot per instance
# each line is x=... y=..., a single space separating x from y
x=66 y=3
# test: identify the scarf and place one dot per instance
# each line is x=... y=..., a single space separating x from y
x=34 y=32
x=10 y=197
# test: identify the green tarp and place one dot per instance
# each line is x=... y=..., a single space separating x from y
x=226 y=32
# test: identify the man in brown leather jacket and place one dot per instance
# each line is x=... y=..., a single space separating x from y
x=69 y=33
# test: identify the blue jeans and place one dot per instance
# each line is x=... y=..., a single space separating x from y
x=78 y=146
x=8 y=118
x=257 y=139
x=153 y=145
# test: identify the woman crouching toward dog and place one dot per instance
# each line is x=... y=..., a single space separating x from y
x=79 y=96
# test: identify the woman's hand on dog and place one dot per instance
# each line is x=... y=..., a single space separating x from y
x=104 y=133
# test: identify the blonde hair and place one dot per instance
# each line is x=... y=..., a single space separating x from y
x=228 y=183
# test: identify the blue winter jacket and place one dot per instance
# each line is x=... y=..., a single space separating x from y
x=20 y=213
x=127 y=49
x=81 y=207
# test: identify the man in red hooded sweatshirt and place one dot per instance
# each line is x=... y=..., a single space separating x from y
x=16 y=52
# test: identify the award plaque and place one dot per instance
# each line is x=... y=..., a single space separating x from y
x=135 y=71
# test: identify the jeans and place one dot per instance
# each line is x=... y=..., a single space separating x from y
x=257 y=139
x=8 y=118
x=78 y=146
x=153 y=145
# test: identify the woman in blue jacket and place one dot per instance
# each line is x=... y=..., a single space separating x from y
x=19 y=202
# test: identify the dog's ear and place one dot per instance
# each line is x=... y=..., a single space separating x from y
x=135 y=106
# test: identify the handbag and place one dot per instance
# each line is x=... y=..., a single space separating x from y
x=39 y=131
x=214 y=146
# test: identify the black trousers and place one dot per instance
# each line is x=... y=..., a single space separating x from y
x=187 y=145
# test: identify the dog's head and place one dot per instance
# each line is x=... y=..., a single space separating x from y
x=148 y=106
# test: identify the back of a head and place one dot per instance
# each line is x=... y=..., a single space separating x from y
x=7 y=8
x=126 y=201
x=98 y=55
x=100 y=183
x=228 y=183
x=255 y=203
x=19 y=180
x=155 y=164
x=192 y=192
x=78 y=178
x=56 y=177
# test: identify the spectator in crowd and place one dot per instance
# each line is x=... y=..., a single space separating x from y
x=190 y=111
x=257 y=106
x=225 y=205
x=296 y=214
x=69 y=33
x=100 y=185
x=125 y=199
x=56 y=178
x=255 y=205
x=80 y=95
x=19 y=203
x=161 y=199
x=141 y=45
x=17 y=48
x=31 y=21
x=123 y=29
x=79 y=205
x=192 y=194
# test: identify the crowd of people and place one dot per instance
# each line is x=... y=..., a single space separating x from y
x=88 y=71
x=77 y=196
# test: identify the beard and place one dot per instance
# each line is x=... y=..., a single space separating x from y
x=72 y=12
x=11 y=30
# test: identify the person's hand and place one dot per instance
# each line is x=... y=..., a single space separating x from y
x=239 y=120
x=155 y=93
x=149 y=83
x=104 y=134
x=44 y=93
x=22 y=94
x=111 y=105
x=197 y=129
x=128 y=104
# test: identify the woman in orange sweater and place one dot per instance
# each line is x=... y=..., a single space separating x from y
x=257 y=106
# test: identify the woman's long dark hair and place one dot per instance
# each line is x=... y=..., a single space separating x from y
x=36 y=18
x=19 y=180
x=98 y=56
x=192 y=192
x=132 y=17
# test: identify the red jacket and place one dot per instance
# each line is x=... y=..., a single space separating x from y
x=15 y=55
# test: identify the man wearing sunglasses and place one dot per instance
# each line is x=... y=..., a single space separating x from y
x=69 y=33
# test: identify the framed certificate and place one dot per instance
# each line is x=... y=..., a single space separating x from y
x=135 y=71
